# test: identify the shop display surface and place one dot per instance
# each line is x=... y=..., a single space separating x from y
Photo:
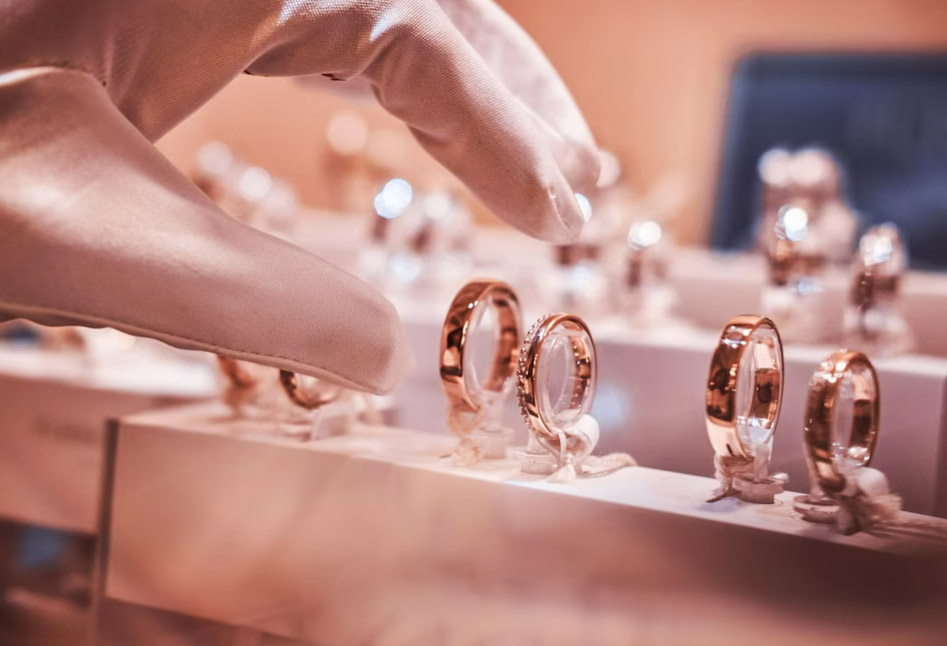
x=650 y=403
x=376 y=536
x=55 y=405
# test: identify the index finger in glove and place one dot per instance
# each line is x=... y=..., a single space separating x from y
x=427 y=74
x=523 y=68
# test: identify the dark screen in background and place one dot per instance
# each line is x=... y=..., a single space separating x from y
x=884 y=116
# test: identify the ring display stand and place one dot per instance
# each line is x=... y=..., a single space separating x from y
x=534 y=459
x=373 y=536
x=815 y=507
x=631 y=404
x=761 y=493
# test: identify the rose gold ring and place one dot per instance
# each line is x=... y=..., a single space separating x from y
x=869 y=289
x=308 y=392
x=457 y=377
x=534 y=376
x=850 y=376
x=236 y=374
x=744 y=386
x=307 y=395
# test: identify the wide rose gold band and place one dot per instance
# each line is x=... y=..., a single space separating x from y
x=825 y=396
x=314 y=396
x=724 y=380
x=457 y=332
x=531 y=355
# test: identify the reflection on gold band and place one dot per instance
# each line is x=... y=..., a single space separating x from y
x=457 y=330
x=821 y=407
x=724 y=379
x=310 y=398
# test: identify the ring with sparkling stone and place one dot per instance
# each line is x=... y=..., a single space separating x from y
x=744 y=386
x=845 y=378
x=464 y=392
x=556 y=375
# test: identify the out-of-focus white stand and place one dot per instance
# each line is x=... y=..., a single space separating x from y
x=711 y=287
x=53 y=409
x=375 y=537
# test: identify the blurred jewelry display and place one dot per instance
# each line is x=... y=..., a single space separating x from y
x=358 y=157
x=247 y=193
x=57 y=339
x=620 y=263
x=744 y=392
x=872 y=321
x=556 y=379
x=577 y=280
x=841 y=432
x=776 y=191
x=95 y=347
x=810 y=179
x=646 y=297
x=294 y=403
x=795 y=294
x=475 y=407
x=416 y=241
x=806 y=225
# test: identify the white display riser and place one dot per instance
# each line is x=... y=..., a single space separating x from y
x=650 y=403
x=375 y=537
x=53 y=411
x=710 y=287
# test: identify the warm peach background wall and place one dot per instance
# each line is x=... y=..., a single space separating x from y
x=651 y=76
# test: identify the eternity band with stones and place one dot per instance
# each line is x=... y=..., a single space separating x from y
x=845 y=378
x=532 y=406
x=744 y=386
x=457 y=330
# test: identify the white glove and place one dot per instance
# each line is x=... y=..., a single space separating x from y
x=98 y=229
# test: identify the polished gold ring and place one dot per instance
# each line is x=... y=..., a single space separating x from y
x=533 y=392
x=309 y=397
x=744 y=386
x=236 y=373
x=456 y=377
x=844 y=375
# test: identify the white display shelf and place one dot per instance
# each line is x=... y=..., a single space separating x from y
x=53 y=411
x=651 y=382
x=650 y=403
x=375 y=537
x=712 y=286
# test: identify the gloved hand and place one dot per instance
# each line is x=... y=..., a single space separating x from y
x=98 y=229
